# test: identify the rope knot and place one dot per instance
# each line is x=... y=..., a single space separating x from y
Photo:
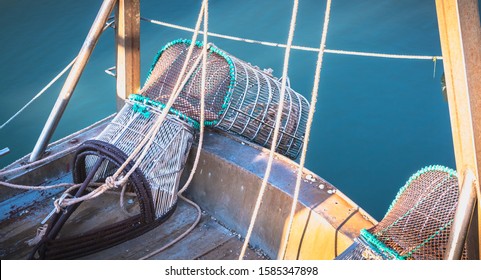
x=41 y=231
x=59 y=202
x=111 y=183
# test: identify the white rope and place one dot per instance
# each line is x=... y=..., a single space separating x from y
x=302 y=48
x=40 y=93
x=37 y=188
x=44 y=89
x=112 y=182
x=315 y=90
x=276 y=130
x=199 y=147
x=142 y=147
x=384 y=55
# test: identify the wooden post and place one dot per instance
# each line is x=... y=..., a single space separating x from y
x=460 y=34
x=127 y=25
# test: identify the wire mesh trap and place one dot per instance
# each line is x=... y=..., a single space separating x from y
x=240 y=98
x=165 y=159
x=154 y=182
x=418 y=222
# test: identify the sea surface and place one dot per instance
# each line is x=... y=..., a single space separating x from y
x=377 y=121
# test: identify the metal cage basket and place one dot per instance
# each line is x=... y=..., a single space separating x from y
x=153 y=184
x=418 y=222
x=240 y=98
x=163 y=164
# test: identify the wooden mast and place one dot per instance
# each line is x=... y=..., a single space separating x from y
x=127 y=20
x=460 y=34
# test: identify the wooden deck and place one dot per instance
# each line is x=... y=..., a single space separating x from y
x=226 y=186
x=208 y=241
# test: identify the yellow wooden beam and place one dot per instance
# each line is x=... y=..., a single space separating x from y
x=128 y=49
x=460 y=34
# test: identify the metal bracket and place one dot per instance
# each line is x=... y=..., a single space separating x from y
x=110 y=71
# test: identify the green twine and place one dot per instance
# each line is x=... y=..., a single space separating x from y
x=451 y=173
x=142 y=109
x=212 y=49
x=379 y=246
x=141 y=101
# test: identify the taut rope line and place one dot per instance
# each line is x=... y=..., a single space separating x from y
x=201 y=139
x=276 y=130
x=315 y=91
x=44 y=89
x=302 y=48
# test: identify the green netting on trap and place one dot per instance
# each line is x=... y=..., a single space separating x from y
x=240 y=98
x=418 y=222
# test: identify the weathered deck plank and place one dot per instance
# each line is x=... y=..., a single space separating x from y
x=230 y=250
x=202 y=243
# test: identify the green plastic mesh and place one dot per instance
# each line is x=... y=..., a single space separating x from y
x=418 y=222
x=240 y=98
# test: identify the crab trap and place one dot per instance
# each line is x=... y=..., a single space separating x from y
x=240 y=98
x=418 y=222
x=154 y=183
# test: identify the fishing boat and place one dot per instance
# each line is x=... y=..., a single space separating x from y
x=199 y=163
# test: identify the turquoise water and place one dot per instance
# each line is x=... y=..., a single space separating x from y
x=377 y=121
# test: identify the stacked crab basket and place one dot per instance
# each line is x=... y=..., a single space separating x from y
x=240 y=99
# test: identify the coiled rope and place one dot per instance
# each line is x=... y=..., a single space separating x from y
x=116 y=180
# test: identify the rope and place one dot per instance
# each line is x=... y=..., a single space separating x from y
x=310 y=118
x=295 y=47
x=384 y=55
x=201 y=140
x=111 y=182
x=276 y=129
x=41 y=92
x=38 y=188
x=143 y=147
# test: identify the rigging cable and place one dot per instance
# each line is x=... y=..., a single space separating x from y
x=302 y=48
